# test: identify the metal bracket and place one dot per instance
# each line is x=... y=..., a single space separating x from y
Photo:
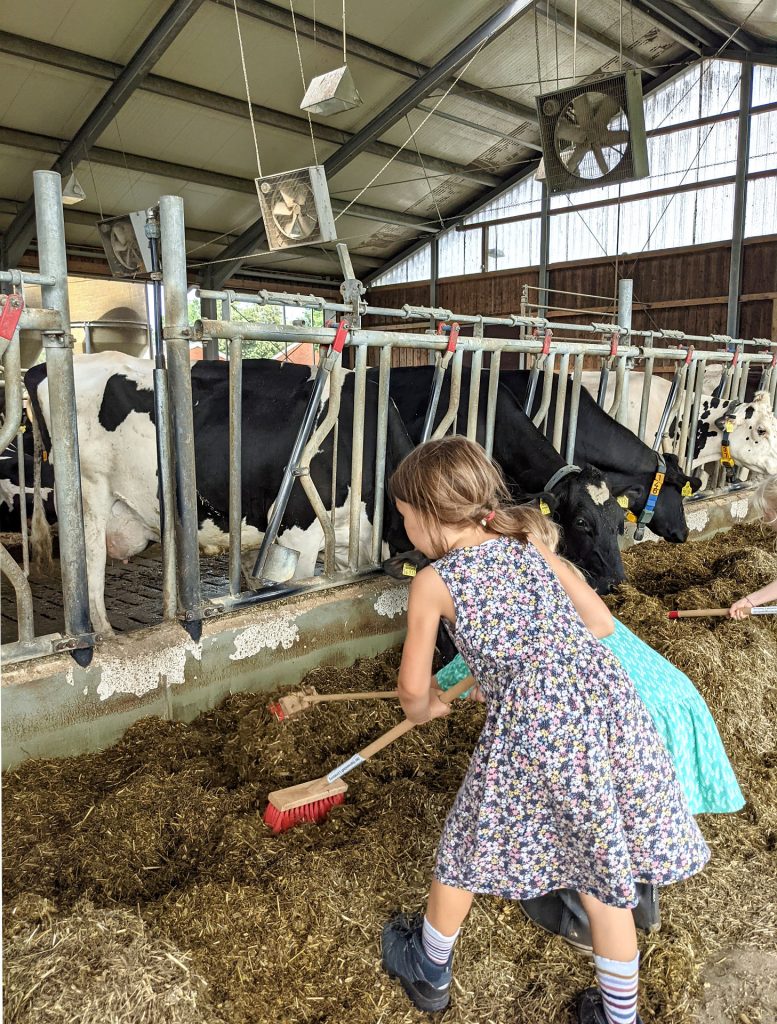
x=75 y=643
x=173 y=333
x=57 y=339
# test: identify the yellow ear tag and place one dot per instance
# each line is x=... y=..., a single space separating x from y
x=630 y=517
x=729 y=426
x=544 y=508
x=408 y=569
x=623 y=501
x=687 y=490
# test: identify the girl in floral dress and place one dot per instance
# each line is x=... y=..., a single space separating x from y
x=569 y=786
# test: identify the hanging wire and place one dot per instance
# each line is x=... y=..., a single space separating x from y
x=344 y=57
x=248 y=91
x=555 y=20
x=574 y=45
x=432 y=196
x=126 y=166
x=412 y=135
x=302 y=76
x=94 y=185
x=537 y=48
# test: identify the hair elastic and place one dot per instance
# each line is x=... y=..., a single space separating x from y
x=487 y=518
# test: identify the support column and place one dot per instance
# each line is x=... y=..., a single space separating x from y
x=544 y=249
x=740 y=199
x=64 y=423
x=209 y=311
x=179 y=373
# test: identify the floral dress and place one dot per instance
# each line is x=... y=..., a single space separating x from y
x=569 y=786
x=679 y=714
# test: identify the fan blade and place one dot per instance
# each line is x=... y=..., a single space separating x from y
x=307 y=224
x=582 y=108
x=287 y=195
x=578 y=155
x=618 y=138
x=570 y=132
x=599 y=156
x=606 y=110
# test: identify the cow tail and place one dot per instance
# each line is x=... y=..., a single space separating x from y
x=40 y=536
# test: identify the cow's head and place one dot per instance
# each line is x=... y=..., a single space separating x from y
x=753 y=441
x=591 y=520
x=668 y=519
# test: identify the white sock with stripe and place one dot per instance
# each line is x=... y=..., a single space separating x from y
x=436 y=945
x=618 y=983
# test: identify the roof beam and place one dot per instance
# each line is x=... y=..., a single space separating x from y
x=70 y=60
x=228 y=182
x=255 y=235
x=599 y=39
x=178 y=14
x=724 y=26
x=667 y=14
x=396 y=62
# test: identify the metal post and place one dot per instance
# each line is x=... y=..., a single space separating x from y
x=435 y=271
x=561 y=396
x=574 y=405
x=740 y=199
x=357 y=454
x=64 y=422
x=380 y=452
x=164 y=448
x=235 y=463
x=493 y=394
x=474 y=386
x=23 y=502
x=179 y=371
x=542 y=297
x=625 y=301
x=208 y=311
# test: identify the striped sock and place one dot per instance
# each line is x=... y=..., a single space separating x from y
x=437 y=946
x=618 y=983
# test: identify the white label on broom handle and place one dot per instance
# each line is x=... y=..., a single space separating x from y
x=766 y=609
x=343 y=769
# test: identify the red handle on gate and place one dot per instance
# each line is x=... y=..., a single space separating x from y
x=10 y=315
x=453 y=337
x=614 y=338
x=689 y=355
x=341 y=335
x=735 y=360
x=546 y=342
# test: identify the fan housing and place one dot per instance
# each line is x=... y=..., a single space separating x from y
x=593 y=134
x=126 y=247
x=296 y=209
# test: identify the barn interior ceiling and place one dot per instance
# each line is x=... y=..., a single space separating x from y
x=148 y=98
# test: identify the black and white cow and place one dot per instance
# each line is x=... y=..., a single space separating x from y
x=628 y=464
x=581 y=503
x=119 y=469
x=11 y=501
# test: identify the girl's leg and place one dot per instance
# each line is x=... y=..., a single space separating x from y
x=447 y=907
x=614 y=939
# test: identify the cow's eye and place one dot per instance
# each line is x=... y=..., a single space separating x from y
x=581 y=524
x=761 y=431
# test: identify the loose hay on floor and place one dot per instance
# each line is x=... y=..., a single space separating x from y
x=167 y=824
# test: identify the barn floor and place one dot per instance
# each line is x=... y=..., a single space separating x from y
x=143 y=877
x=133 y=593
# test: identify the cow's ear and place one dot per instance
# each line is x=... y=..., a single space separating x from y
x=547 y=502
x=633 y=493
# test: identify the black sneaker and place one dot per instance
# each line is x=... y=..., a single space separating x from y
x=426 y=983
x=590 y=1008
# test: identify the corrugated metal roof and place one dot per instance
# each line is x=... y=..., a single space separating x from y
x=44 y=94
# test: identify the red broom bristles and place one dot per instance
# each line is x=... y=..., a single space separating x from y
x=275 y=708
x=316 y=811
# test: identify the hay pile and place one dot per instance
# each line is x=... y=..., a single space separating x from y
x=167 y=824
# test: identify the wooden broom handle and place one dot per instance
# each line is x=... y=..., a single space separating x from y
x=399 y=730
x=697 y=613
x=325 y=698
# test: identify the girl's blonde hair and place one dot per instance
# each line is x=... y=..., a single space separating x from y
x=766 y=499
x=452 y=482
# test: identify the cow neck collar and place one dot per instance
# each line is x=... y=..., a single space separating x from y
x=559 y=475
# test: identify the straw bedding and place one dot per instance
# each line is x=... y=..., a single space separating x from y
x=142 y=886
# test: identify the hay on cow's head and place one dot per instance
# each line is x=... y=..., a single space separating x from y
x=94 y=967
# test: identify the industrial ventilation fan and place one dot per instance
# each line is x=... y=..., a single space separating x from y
x=295 y=208
x=593 y=134
x=126 y=247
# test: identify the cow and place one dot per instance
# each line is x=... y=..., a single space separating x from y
x=117 y=445
x=11 y=502
x=629 y=465
x=708 y=431
x=581 y=503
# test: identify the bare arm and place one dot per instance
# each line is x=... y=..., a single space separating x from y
x=741 y=609
x=429 y=601
x=590 y=607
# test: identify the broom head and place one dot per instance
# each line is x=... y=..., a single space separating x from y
x=293 y=704
x=310 y=801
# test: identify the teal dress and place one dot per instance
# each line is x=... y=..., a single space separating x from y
x=682 y=718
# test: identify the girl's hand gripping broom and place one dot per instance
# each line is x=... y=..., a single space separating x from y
x=312 y=801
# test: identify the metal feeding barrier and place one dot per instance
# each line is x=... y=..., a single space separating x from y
x=554 y=351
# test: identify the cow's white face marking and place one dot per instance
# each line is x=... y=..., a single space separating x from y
x=599 y=493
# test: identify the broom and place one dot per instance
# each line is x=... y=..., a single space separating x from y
x=767 y=609
x=312 y=801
